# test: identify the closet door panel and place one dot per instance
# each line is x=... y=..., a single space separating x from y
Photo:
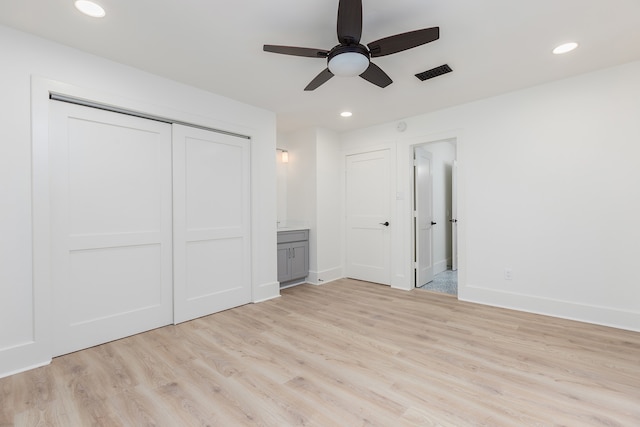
x=211 y=173
x=111 y=225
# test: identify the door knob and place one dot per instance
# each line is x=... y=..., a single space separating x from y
x=386 y=223
x=453 y=220
x=433 y=223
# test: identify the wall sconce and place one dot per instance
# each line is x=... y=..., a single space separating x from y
x=284 y=156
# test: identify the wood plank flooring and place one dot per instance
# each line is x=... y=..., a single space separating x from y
x=347 y=353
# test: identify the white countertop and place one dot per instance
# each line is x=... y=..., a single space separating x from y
x=300 y=228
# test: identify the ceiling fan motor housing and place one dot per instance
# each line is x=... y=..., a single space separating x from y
x=348 y=60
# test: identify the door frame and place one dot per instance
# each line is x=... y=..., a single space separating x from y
x=38 y=350
x=397 y=250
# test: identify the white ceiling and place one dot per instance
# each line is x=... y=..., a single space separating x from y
x=493 y=46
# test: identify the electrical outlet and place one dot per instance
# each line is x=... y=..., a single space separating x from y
x=508 y=274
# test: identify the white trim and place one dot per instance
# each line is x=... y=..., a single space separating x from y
x=599 y=315
x=396 y=276
x=5 y=374
x=325 y=276
x=47 y=86
x=405 y=147
x=390 y=145
x=440 y=266
x=92 y=104
x=266 y=298
x=265 y=292
x=37 y=352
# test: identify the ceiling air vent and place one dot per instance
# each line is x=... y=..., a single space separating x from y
x=434 y=72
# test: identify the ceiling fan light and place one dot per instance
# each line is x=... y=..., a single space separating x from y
x=348 y=64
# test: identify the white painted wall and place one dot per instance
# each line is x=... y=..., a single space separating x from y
x=301 y=182
x=282 y=171
x=443 y=155
x=548 y=186
x=24 y=56
x=330 y=185
x=315 y=198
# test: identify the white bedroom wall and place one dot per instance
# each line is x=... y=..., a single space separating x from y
x=25 y=56
x=282 y=171
x=315 y=177
x=330 y=205
x=548 y=188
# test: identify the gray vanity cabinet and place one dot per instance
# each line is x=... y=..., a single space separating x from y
x=293 y=256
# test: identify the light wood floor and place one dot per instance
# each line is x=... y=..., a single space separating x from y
x=347 y=353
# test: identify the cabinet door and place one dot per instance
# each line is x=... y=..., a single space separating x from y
x=299 y=260
x=284 y=271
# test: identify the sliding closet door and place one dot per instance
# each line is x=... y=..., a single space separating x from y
x=212 y=259
x=111 y=225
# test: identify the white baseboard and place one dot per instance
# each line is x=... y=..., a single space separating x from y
x=605 y=316
x=325 y=276
x=24 y=369
x=440 y=266
x=266 y=292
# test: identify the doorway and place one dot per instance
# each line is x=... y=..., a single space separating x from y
x=435 y=192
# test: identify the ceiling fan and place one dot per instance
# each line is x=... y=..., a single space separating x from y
x=350 y=58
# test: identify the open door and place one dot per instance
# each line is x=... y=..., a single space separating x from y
x=423 y=216
x=454 y=216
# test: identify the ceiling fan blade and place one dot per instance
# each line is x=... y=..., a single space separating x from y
x=375 y=75
x=349 y=21
x=319 y=80
x=404 y=41
x=296 y=51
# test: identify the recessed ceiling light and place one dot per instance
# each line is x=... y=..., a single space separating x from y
x=564 y=48
x=346 y=114
x=90 y=8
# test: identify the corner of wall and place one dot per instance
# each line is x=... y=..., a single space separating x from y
x=265 y=292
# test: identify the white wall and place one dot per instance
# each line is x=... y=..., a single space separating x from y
x=330 y=184
x=315 y=198
x=24 y=56
x=301 y=179
x=548 y=186
x=282 y=171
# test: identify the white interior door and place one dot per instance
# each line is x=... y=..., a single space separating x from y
x=423 y=215
x=454 y=216
x=212 y=259
x=368 y=210
x=110 y=177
